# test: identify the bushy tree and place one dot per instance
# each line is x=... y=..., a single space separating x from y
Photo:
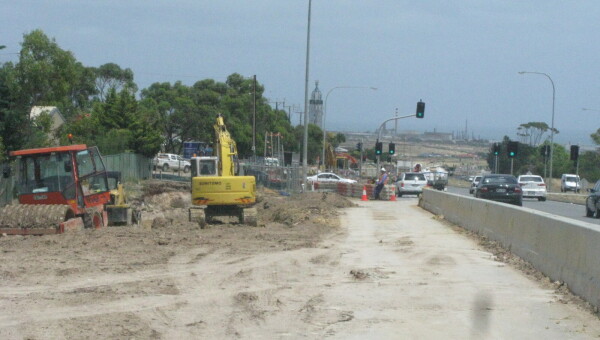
x=315 y=138
x=530 y=159
x=48 y=75
x=111 y=76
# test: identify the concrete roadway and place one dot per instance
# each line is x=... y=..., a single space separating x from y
x=419 y=278
x=570 y=210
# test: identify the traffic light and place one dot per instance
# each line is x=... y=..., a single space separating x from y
x=513 y=149
x=359 y=146
x=574 y=152
x=392 y=148
x=420 y=109
x=378 y=148
x=70 y=137
x=496 y=149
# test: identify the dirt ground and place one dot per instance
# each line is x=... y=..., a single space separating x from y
x=75 y=272
x=147 y=281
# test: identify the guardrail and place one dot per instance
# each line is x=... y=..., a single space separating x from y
x=564 y=249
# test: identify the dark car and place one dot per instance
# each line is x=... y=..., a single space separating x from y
x=501 y=188
x=592 y=203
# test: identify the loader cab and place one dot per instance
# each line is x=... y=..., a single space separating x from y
x=73 y=175
x=204 y=166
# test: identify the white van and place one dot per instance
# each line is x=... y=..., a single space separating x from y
x=570 y=182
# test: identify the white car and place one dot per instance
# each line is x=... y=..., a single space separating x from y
x=169 y=161
x=329 y=177
x=533 y=186
x=411 y=183
x=570 y=182
x=474 y=183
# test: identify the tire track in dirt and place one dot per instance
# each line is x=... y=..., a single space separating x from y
x=246 y=296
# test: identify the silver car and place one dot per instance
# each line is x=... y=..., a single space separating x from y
x=329 y=177
x=410 y=183
x=533 y=186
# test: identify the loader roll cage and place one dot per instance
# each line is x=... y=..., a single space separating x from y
x=51 y=170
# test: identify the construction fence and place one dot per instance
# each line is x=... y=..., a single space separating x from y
x=6 y=189
x=133 y=167
x=287 y=179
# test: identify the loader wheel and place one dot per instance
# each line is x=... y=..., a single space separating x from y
x=165 y=167
x=93 y=220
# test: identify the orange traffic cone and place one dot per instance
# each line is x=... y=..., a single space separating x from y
x=364 y=194
x=392 y=196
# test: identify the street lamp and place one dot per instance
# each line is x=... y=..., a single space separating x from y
x=325 y=112
x=552 y=126
x=586 y=109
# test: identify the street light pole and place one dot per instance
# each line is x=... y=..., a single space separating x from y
x=325 y=112
x=305 y=141
x=552 y=126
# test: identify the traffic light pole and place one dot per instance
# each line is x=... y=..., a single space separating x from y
x=511 y=165
x=360 y=161
x=381 y=129
x=496 y=164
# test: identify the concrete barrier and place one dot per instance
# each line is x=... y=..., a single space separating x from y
x=564 y=249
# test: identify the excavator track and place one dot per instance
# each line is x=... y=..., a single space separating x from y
x=33 y=219
x=249 y=217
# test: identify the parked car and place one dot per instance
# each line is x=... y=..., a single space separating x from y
x=410 y=183
x=329 y=177
x=533 y=186
x=592 y=203
x=569 y=182
x=169 y=161
x=501 y=188
x=474 y=183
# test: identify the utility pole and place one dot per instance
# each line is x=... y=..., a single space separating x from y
x=254 y=118
x=305 y=141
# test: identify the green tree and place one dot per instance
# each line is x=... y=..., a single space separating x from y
x=335 y=139
x=14 y=122
x=529 y=159
x=588 y=166
x=49 y=75
x=111 y=76
x=531 y=133
x=170 y=102
x=2 y=151
x=315 y=138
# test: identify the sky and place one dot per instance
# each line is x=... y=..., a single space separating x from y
x=461 y=58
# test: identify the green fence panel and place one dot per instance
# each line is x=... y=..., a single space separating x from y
x=132 y=166
x=6 y=188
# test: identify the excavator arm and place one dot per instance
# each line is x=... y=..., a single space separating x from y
x=226 y=148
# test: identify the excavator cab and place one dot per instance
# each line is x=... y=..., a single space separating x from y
x=204 y=166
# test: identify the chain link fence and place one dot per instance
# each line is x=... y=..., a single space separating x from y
x=288 y=179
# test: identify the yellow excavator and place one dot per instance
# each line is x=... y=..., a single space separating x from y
x=216 y=188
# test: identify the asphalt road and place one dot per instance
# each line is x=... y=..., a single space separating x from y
x=570 y=210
